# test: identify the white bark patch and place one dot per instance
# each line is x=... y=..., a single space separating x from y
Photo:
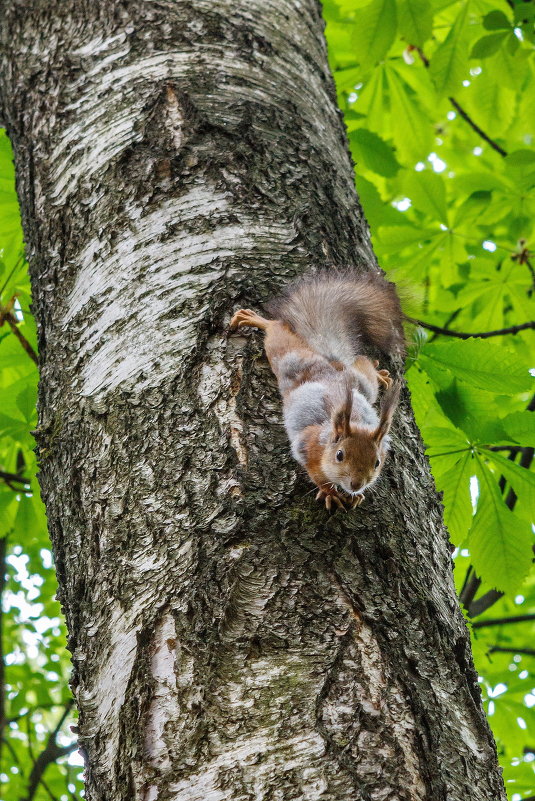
x=251 y=591
x=101 y=702
x=260 y=757
x=218 y=388
x=386 y=700
x=375 y=692
x=102 y=130
x=164 y=707
x=141 y=290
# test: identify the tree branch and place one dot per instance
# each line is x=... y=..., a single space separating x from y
x=9 y=478
x=13 y=324
x=513 y=449
x=499 y=621
x=50 y=753
x=529 y=265
x=487 y=600
x=514 y=329
x=462 y=113
x=524 y=651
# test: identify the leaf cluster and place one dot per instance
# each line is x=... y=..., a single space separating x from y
x=439 y=103
x=34 y=662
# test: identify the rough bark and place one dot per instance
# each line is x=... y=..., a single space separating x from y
x=230 y=640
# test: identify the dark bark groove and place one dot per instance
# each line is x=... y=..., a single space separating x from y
x=229 y=639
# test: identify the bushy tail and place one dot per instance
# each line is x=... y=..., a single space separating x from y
x=339 y=313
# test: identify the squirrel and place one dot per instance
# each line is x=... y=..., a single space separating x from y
x=314 y=345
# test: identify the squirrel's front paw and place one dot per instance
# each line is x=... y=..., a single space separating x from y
x=356 y=500
x=329 y=496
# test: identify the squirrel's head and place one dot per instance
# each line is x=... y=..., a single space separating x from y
x=354 y=455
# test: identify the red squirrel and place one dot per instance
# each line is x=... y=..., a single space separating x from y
x=314 y=346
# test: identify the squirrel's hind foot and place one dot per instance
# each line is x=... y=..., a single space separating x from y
x=383 y=376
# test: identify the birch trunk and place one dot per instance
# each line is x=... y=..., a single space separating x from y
x=230 y=640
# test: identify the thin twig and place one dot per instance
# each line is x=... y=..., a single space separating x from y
x=11 y=478
x=464 y=114
x=50 y=753
x=514 y=329
x=13 y=324
x=476 y=127
x=514 y=449
x=497 y=649
x=529 y=265
x=499 y=621
x=45 y=786
x=15 y=267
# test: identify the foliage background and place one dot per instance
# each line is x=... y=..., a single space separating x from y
x=439 y=103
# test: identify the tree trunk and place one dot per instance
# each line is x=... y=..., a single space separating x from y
x=230 y=640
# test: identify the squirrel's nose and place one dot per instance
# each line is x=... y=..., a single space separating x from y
x=356 y=485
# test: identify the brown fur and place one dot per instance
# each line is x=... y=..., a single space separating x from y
x=365 y=307
x=325 y=320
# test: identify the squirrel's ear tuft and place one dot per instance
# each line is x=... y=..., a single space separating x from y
x=341 y=417
x=388 y=407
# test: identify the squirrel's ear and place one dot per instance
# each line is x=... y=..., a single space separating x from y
x=388 y=407
x=341 y=417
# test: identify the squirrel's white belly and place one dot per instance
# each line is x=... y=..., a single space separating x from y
x=305 y=406
x=311 y=404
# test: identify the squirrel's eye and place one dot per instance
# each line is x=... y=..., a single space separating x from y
x=339 y=456
x=377 y=463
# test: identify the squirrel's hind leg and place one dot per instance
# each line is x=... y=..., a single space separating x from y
x=246 y=317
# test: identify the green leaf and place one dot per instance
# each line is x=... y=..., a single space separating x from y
x=521 y=427
x=487 y=45
x=13 y=427
x=393 y=239
x=472 y=410
x=30 y=520
x=416 y=21
x=500 y=542
x=521 y=480
x=26 y=401
x=374 y=31
x=496 y=20
x=521 y=158
x=455 y=484
x=449 y=64
x=376 y=154
x=427 y=191
x=481 y=363
x=378 y=211
x=8 y=510
x=446 y=447
x=413 y=129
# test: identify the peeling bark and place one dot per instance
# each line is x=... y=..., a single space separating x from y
x=230 y=640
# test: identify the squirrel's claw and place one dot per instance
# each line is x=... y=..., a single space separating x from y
x=240 y=318
x=329 y=497
x=357 y=500
x=383 y=377
x=247 y=317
